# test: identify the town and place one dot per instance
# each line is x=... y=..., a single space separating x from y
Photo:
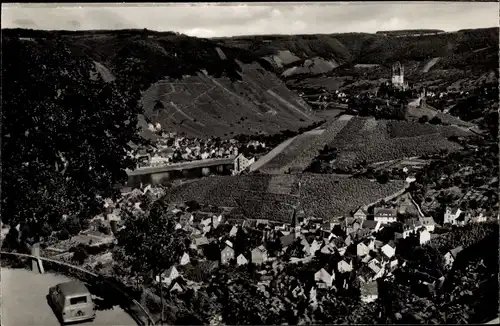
x=268 y=179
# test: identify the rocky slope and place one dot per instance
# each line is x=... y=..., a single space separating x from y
x=341 y=61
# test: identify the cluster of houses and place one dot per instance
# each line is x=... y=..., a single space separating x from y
x=351 y=242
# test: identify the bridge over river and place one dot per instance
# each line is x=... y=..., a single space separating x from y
x=184 y=170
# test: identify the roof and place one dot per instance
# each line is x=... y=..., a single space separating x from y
x=385 y=212
x=72 y=288
x=369 y=224
x=455 y=251
x=427 y=221
x=287 y=240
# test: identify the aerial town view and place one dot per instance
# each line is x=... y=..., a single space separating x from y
x=250 y=164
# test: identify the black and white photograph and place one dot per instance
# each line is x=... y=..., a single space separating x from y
x=267 y=163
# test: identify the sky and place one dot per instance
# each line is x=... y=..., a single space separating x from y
x=217 y=20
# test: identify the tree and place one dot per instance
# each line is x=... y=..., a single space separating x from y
x=423 y=119
x=151 y=242
x=66 y=134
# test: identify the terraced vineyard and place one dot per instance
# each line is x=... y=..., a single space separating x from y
x=370 y=141
x=297 y=156
x=321 y=196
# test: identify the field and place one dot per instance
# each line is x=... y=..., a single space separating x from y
x=323 y=196
x=304 y=148
x=368 y=140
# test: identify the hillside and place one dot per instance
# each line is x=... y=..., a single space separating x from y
x=266 y=196
x=336 y=60
x=188 y=84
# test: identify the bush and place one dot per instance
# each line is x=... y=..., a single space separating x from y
x=423 y=119
x=63 y=235
x=435 y=121
x=79 y=255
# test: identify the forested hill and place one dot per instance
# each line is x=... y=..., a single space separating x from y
x=187 y=84
x=314 y=54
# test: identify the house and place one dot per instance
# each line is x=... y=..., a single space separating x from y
x=328 y=249
x=361 y=213
x=362 y=249
x=168 y=276
x=324 y=277
x=410 y=225
x=234 y=231
x=226 y=255
x=451 y=256
x=240 y=163
x=388 y=250
x=229 y=243
x=200 y=241
x=315 y=246
x=428 y=223
x=375 y=265
x=369 y=291
x=287 y=240
x=344 y=267
x=241 y=260
x=178 y=285
x=463 y=219
x=385 y=215
x=306 y=247
x=348 y=240
x=424 y=236
x=353 y=226
x=451 y=215
x=371 y=225
x=185 y=259
x=259 y=255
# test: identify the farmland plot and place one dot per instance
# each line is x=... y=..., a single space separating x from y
x=327 y=196
x=322 y=196
x=304 y=148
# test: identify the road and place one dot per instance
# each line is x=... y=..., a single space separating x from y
x=182 y=166
x=272 y=154
x=23 y=301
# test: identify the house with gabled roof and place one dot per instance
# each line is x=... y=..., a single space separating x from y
x=385 y=215
x=362 y=249
x=424 y=236
x=226 y=255
x=361 y=213
x=451 y=215
x=178 y=285
x=168 y=276
x=259 y=255
x=451 y=256
x=241 y=260
x=428 y=223
x=185 y=259
x=410 y=226
x=388 y=250
x=325 y=277
x=344 y=267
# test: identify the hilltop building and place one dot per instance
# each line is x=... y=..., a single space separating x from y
x=398 y=75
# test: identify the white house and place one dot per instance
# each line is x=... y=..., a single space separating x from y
x=315 y=246
x=360 y=213
x=344 y=267
x=241 y=260
x=241 y=163
x=322 y=276
x=424 y=236
x=388 y=250
x=428 y=223
x=185 y=259
x=362 y=249
x=168 y=276
x=226 y=255
x=451 y=215
x=385 y=215
x=234 y=231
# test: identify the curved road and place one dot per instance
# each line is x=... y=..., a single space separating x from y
x=23 y=301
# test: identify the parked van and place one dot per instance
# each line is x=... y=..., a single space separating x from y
x=72 y=302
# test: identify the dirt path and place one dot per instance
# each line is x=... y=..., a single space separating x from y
x=272 y=154
x=430 y=64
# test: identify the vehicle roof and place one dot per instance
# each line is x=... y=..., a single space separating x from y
x=72 y=288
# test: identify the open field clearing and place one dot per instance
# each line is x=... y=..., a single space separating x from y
x=322 y=196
